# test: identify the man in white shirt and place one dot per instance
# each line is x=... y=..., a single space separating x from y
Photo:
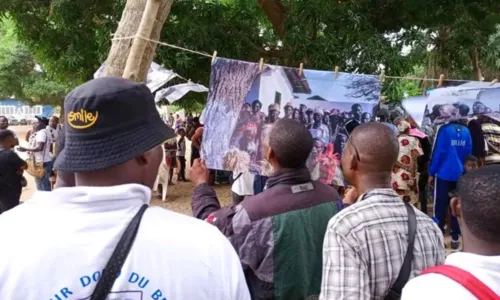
x=56 y=245
x=478 y=210
x=40 y=149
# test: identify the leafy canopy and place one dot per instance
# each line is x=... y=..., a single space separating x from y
x=71 y=38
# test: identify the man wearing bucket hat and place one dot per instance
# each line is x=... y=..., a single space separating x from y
x=113 y=137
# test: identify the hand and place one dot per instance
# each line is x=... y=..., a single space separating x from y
x=199 y=172
x=350 y=196
x=430 y=181
x=21 y=149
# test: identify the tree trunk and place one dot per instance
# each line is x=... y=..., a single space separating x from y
x=128 y=27
x=476 y=68
x=230 y=82
x=133 y=64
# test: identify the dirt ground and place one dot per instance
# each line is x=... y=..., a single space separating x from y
x=178 y=198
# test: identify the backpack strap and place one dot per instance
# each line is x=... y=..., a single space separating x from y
x=466 y=279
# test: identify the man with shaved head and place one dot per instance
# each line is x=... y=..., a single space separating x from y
x=278 y=233
x=366 y=243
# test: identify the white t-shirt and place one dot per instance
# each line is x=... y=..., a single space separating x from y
x=42 y=137
x=243 y=186
x=438 y=287
x=181 y=148
x=56 y=245
x=53 y=133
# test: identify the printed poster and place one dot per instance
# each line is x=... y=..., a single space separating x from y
x=244 y=102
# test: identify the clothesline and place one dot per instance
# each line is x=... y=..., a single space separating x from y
x=212 y=56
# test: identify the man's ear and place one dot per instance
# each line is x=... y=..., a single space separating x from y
x=353 y=162
x=271 y=156
x=456 y=207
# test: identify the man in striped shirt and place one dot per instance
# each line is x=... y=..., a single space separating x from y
x=365 y=243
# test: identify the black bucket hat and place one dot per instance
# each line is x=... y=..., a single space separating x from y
x=109 y=121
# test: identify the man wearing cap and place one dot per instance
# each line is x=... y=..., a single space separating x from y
x=318 y=129
x=40 y=149
x=113 y=138
x=302 y=114
x=288 y=110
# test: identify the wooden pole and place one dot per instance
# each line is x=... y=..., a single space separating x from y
x=134 y=59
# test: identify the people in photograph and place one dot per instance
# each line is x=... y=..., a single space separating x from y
x=319 y=129
x=356 y=112
x=296 y=114
x=288 y=111
x=447 y=113
x=326 y=118
x=247 y=140
x=479 y=108
x=309 y=117
x=303 y=115
x=84 y=227
x=405 y=172
x=270 y=227
x=246 y=107
x=11 y=171
x=453 y=143
x=4 y=124
x=257 y=115
x=273 y=113
x=366 y=117
x=463 y=109
x=39 y=148
x=312 y=162
x=365 y=243
x=478 y=212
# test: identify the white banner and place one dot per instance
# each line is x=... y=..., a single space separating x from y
x=176 y=92
x=157 y=76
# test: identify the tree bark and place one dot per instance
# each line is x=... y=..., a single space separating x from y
x=476 y=67
x=275 y=12
x=128 y=27
x=133 y=64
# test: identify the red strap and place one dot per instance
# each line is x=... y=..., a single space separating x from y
x=466 y=279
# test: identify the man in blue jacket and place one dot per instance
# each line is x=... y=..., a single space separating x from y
x=453 y=143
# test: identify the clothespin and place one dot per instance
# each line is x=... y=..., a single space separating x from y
x=301 y=67
x=336 y=72
x=382 y=76
x=214 y=56
x=494 y=81
x=441 y=80
x=261 y=64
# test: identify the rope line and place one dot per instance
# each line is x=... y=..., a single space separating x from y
x=211 y=56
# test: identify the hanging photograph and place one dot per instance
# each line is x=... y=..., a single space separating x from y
x=244 y=102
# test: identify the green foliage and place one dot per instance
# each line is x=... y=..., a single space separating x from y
x=70 y=39
x=20 y=78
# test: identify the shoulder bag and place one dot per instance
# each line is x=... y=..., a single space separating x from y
x=404 y=274
x=35 y=168
x=466 y=279
x=118 y=257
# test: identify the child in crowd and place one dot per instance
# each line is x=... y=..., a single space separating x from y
x=471 y=163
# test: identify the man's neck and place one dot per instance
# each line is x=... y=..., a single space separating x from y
x=477 y=246
x=373 y=181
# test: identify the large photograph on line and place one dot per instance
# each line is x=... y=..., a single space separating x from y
x=244 y=103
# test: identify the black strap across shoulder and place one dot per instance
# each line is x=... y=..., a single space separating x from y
x=404 y=274
x=117 y=259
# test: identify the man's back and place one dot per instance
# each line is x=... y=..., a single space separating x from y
x=278 y=234
x=453 y=144
x=365 y=245
x=56 y=245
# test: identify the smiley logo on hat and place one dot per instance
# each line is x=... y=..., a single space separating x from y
x=82 y=119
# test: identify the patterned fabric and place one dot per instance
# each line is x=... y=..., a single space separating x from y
x=491 y=132
x=365 y=245
x=403 y=182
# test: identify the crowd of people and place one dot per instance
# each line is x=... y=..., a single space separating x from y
x=95 y=234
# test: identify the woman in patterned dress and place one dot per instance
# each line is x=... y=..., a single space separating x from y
x=404 y=173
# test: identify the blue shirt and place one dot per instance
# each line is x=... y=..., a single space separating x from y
x=453 y=143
